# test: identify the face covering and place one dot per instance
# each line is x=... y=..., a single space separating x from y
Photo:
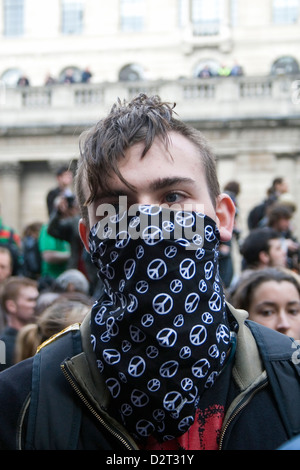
x=161 y=334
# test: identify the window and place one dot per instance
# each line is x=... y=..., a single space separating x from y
x=285 y=11
x=72 y=17
x=13 y=17
x=132 y=15
x=285 y=65
x=206 y=16
x=11 y=76
x=131 y=73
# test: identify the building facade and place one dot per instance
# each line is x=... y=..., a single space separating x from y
x=231 y=66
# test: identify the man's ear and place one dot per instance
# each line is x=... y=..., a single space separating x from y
x=225 y=212
x=84 y=231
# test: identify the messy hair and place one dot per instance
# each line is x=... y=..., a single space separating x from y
x=141 y=120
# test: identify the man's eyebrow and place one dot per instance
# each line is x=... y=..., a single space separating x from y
x=162 y=183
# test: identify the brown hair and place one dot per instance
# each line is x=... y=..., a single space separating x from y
x=12 y=286
x=141 y=120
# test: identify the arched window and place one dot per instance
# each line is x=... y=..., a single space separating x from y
x=206 y=68
x=131 y=73
x=285 y=65
x=11 y=76
x=70 y=75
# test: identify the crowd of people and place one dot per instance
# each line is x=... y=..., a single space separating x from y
x=68 y=77
x=161 y=355
x=45 y=266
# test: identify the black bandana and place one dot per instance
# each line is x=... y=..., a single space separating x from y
x=161 y=334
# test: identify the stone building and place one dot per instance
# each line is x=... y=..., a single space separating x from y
x=167 y=47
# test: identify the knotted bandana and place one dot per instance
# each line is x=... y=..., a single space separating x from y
x=161 y=334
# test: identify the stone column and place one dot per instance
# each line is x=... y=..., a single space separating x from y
x=10 y=192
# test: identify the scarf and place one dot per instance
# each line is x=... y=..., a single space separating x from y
x=161 y=333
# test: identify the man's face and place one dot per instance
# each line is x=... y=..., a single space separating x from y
x=24 y=305
x=277 y=253
x=169 y=177
x=5 y=266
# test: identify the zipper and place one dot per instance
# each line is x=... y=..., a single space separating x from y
x=239 y=409
x=109 y=428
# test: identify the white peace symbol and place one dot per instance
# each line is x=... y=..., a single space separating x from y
x=111 y=356
x=168 y=226
x=214 y=351
x=197 y=240
x=185 y=352
x=208 y=270
x=169 y=369
x=171 y=251
x=200 y=368
x=136 y=366
x=126 y=345
x=144 y=428
x=112 y=327
x=133 y=305
x=207 y=318
x=158 y=414
x=200 y=252
x=122 y=377
x=178 y=320
x=215 y=302
x=185 y=219
x=172 y=400
x=198 y=335
x=108 y=271
x=113 y=256
x=93 y=341
x=191 y=302
x=129 y=268
x=162 y=304
x=99 y=317
x=211 y=379
x=126 y=409
x=185 y=423
x=187 y=268
x=113 y=386
x=149 y=209
x=186 y=384
x=152 y=352
x=139 y=251
x=153 y=385
x=202 y=286
x=176 y=286
x=134 y=222
x=209 y=233
x=157 y=269
x=105 y=337
x=122 y=239
x=142 y=287
x=223 y=334
x=152 y=235
x=147 y=320
x=139 y=398
x=166 y=337
x=107 y=232
x=136 y=334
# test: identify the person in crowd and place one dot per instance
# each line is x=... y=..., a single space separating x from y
x=226 y=265
x=23 y=81
x=271 y=296
x=18 y=300
x=279 y=218
x=263 y=247
x=64 y=188
x=55 y=318
x=257 y=215
x=86 y=75
x=10 y=239
x=72 y=280
x=161 y=362
x=30 y=248
x=55 y=254
x=6 y=269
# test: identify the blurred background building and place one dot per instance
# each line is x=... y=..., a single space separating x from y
x=232 y=67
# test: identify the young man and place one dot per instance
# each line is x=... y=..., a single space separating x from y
x=18 y=301
x=263 y=248
x=162 y=362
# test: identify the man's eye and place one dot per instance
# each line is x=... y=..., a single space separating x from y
x=172 y=197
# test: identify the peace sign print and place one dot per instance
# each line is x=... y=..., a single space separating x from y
x=162 y=304
x=160 y=334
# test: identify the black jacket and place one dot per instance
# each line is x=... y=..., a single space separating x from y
x=68 y=400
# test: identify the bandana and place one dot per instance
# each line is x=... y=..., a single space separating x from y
x=161 y=333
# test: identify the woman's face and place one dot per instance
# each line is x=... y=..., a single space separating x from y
x=277 y=306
